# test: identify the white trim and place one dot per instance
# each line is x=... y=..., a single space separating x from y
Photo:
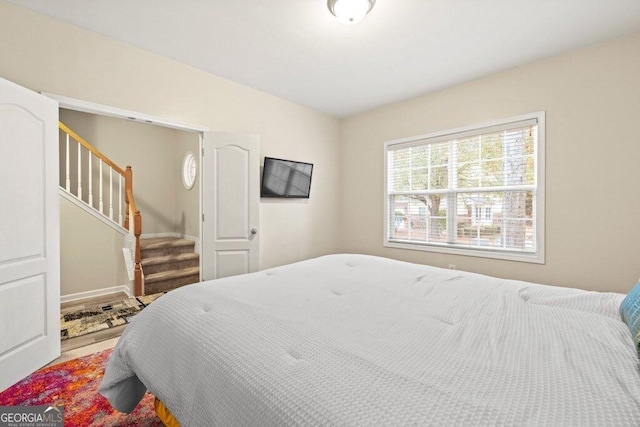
x=128 y=263
x=481 y=253
x=106 y=110
x=539 y=256
x=540 y=192
x=200 y=199
x=92 y=211
x=494 y=125
x=95 y=293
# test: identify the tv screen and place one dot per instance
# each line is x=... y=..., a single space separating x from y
x=286 y=178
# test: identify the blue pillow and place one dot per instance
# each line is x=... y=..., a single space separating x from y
x=630 y=312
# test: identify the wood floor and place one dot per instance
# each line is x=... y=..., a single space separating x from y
x=95 y=337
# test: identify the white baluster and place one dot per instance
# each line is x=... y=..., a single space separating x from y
x=90 y=181
x=101 y=204
x=120 y=199
x=132 y=245
x=132 y=252
x=68 y=180
x=110 y=193
x=79 y=171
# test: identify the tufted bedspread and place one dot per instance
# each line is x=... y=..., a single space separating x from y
x=361 y=340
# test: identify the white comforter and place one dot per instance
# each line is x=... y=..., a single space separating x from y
x=360 y=340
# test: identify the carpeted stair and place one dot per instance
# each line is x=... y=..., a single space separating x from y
x=168 y=263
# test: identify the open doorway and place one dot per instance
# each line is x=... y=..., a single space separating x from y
x=93 y=263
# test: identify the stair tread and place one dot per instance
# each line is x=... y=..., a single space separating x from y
x=164 y=242
x=171 y=274
x=169 y=258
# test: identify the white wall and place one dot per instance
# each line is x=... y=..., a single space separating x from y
x=47 y=55
x=592 y=103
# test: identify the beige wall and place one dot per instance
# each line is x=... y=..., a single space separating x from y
x=592 y=103
x=83 y=241
x=47 y=55
x=187 y=202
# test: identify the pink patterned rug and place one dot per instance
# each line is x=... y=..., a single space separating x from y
x=74 y=385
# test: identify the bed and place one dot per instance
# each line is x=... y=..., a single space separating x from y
x=363 y=340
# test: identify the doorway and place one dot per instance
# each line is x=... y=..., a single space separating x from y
x=94 y=261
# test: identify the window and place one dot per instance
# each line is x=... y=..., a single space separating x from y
x=188 y=170
x=473 y=191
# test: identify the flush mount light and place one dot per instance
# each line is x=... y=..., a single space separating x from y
x=350 y=11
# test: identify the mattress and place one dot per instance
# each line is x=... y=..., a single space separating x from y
x=362 y=340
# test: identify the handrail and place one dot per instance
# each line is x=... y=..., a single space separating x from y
x=132 y=202
x=133 y=219
x=91 y=148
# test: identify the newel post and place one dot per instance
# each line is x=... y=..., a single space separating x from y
x=128 y=187
x=137 y=272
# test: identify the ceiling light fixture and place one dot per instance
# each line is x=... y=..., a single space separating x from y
x=350 y=11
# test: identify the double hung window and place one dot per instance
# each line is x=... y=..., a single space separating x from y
x=472 y=191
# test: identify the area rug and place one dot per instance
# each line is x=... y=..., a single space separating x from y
x=99 y=317
x=74 y=385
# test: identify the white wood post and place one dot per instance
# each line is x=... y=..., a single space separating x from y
x=90 y=180
x=79 y=171
x=101 y=203
x=120 y=199
x=68 y=176
x=110 y=193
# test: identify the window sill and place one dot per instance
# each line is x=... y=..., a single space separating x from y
x=534 y=258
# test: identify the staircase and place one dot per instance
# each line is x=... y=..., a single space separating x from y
x=168 y=263
x=92 y=181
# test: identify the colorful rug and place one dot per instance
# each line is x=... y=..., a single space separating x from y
x=99 y=317
x=74 y=385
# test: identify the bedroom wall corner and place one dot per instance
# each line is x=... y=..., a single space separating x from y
x=592 y=178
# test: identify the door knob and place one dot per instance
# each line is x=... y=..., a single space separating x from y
x=254 y=231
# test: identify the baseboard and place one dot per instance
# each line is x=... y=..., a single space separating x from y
x=177 y=236
x=95 y=293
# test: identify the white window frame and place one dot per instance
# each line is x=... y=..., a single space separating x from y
x=189 y=170
x=537 y=257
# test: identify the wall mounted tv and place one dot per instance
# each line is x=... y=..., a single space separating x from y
x=286 y=178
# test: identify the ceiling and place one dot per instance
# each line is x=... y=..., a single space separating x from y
x=297 y=50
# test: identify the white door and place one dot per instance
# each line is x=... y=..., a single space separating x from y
x=231 y=204
x=29 y=233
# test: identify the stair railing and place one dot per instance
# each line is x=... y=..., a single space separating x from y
x=135 y=229
x=89 y=152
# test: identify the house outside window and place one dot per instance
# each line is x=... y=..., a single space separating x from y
x=476 y=191
x=482 y=213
